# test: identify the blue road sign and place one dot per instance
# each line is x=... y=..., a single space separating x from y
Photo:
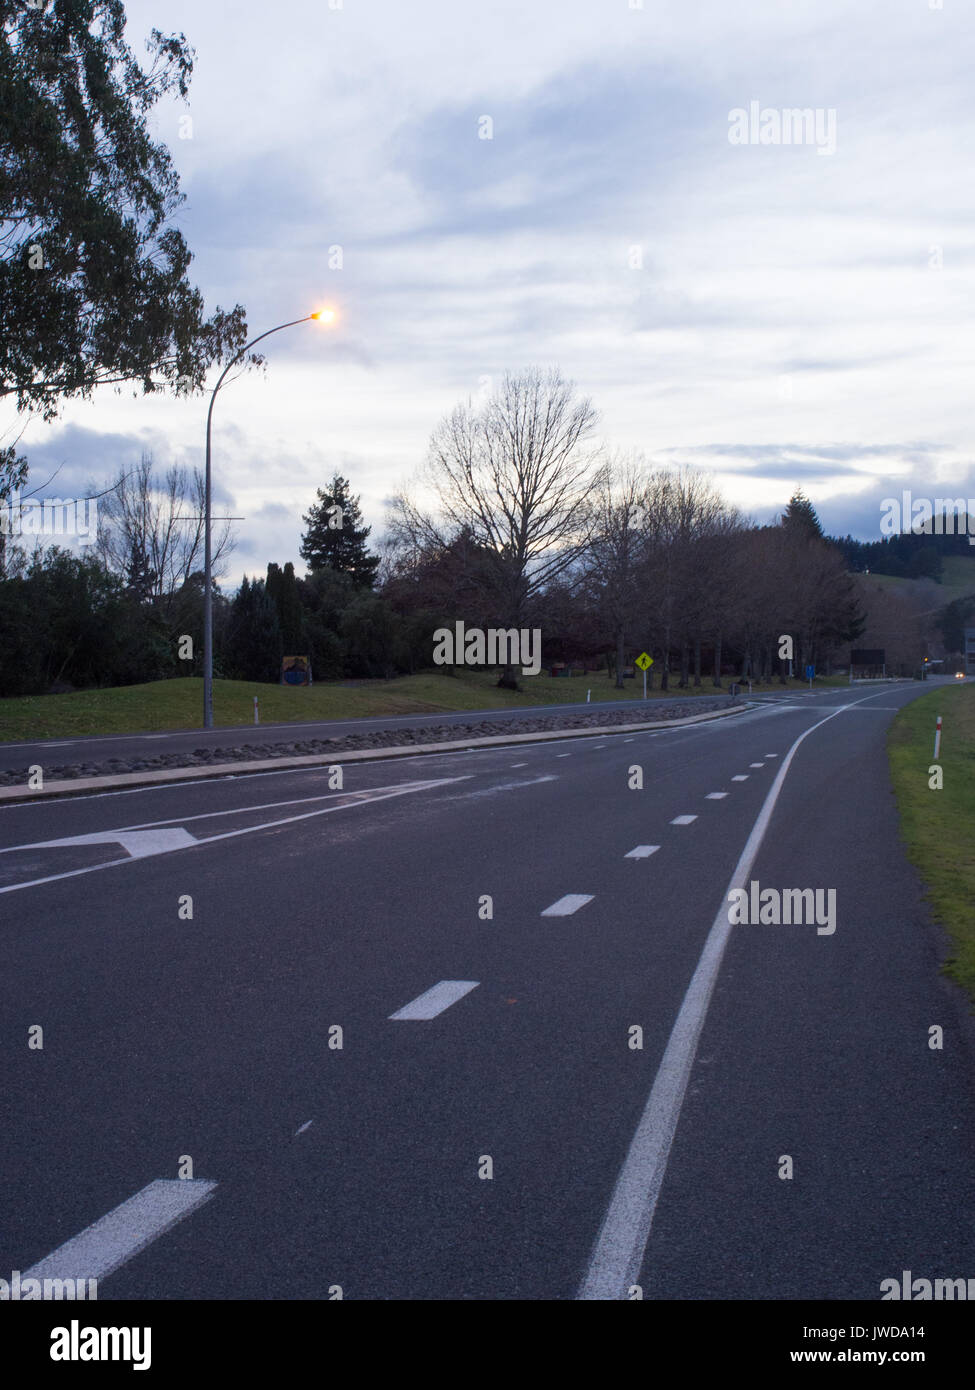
x=810 y=672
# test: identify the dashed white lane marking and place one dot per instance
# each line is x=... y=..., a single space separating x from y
x=716 y=796
x=567 y=905
x=621 y=1245
x=683 y=820
x=434 y=1000
x=742 y=777
x=113 y=1240
x=628 y=740
x=771 y=755
x=642 y=852
x=518 y=764
x=563 y=755
x=307 y=1125
x=756 y=764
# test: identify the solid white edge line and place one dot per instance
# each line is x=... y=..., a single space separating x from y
x=614 y=1265
x=112 y=1241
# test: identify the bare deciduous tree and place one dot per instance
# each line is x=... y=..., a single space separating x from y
x=518 y=475
x=615 y=563
x=151 y=529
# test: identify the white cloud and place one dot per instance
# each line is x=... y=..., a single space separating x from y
x=784 y=296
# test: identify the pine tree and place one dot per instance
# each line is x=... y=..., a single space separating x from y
x=254 y=637
x=800 y=517
x=140 y=579
x=282 y=588
x=336 y=538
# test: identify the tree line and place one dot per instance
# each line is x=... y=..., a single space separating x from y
x=518 y=519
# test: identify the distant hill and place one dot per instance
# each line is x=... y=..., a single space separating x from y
x=909 y=555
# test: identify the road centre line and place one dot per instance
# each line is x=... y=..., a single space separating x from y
x=683 y=820
x=620 y=1247
x=642 y=852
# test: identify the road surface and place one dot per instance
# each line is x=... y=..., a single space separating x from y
x=504 y=1137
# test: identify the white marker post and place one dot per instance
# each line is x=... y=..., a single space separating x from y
x=937 y=738
x=588 y=695
x=256 y=718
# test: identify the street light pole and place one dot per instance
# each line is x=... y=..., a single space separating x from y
x=207 y=547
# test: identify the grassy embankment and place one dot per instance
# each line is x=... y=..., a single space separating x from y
x=939 y=826
x=176 y=704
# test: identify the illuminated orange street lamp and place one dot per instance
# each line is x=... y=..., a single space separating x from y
x=322 y=316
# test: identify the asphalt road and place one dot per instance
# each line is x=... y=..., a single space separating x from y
x=365 y=1168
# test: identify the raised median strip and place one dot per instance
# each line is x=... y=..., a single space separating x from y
x=74 y=786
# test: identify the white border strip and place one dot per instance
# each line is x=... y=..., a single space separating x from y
x=614 y=1265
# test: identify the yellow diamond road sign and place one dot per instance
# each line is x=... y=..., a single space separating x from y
x=643 y=661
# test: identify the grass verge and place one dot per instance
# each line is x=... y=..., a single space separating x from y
x=938 y=826
x=178 y=704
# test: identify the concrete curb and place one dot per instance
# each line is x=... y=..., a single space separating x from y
x=76 y=786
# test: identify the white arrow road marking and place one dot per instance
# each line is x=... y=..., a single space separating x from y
x=164 y=843
x=137 y=843
x=567 y=905
x=434 y=1000
x=112 y=1241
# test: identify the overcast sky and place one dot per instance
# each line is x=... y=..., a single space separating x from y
x=772 y=313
